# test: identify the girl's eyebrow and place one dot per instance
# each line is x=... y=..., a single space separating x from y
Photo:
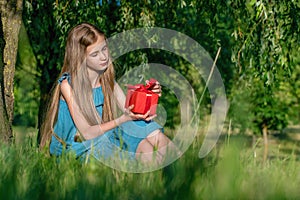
x=103 y=45
x=95 y=51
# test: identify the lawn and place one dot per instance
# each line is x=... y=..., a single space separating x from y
x=233 y=170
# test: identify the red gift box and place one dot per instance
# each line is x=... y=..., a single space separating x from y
x=142 y=98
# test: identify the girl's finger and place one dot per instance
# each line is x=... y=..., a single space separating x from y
x=127 y=110
x=146 y=114
x=157 y=86
x=150 y=117
x=156 y=90
x=131 y=107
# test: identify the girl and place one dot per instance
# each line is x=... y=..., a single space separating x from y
x=82 y=112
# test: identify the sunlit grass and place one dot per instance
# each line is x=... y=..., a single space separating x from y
x=230 y=171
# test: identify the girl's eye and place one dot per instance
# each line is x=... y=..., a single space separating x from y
x=104 y=48
x=94 y=54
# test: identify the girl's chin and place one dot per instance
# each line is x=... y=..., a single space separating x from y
x=103 y=69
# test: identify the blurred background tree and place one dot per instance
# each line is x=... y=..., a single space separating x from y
x=259 y=61
x=267 y=38
x=26 y=88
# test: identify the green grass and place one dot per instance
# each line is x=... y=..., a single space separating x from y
x=230 y=171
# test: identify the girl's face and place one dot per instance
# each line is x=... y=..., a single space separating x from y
x=97 y=58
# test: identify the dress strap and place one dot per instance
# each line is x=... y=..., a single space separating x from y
x=65 y=75
x=59 y=139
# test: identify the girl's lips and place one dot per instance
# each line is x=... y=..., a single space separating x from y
x=103 y=64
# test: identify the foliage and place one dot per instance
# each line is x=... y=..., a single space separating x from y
x=25 y=84
x=42 y=33
x=259 y=43
x=259 y=63
x=266 y=37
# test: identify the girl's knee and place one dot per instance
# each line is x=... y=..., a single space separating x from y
x=154 y=133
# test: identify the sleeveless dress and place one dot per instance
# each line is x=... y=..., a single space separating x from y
x=126 y=137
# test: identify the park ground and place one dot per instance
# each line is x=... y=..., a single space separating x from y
x=234 y=169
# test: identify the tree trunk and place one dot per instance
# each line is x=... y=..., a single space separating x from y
x=11 y=16
x=265 y=136
x=4 y=127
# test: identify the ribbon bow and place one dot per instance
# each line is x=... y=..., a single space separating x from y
x=143 y=88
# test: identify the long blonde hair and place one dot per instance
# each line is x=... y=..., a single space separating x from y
x=79 y=38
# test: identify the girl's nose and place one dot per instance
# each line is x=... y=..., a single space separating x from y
x=103 y=56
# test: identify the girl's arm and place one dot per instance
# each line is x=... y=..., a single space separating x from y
x=91 y=131
x=87 y=131
x=119 y=96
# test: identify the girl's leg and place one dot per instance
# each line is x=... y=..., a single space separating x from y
x=162 y=143
x=146 y=152
x=156 y=144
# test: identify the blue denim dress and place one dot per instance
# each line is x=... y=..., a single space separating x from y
x=126 y=137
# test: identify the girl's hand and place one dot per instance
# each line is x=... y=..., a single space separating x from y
x=132 y=116
x=156 y=88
